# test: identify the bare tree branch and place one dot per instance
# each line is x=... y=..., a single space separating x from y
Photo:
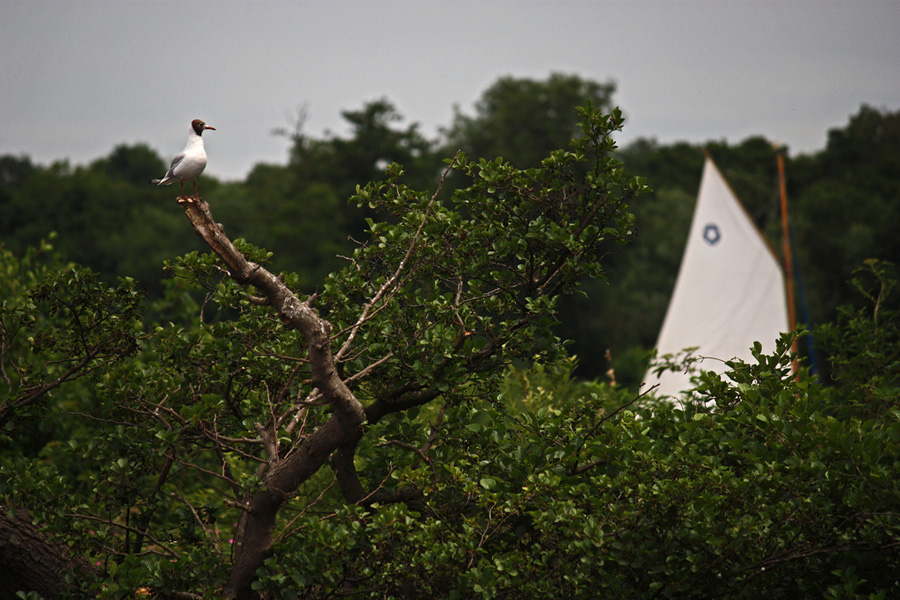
x=254 y=536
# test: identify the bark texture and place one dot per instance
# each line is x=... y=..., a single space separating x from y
x=255 y=534
x=31 y=561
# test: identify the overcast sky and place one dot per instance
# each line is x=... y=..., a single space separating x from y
x=78 y=78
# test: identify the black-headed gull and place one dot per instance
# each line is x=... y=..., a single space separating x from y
x=190 y=162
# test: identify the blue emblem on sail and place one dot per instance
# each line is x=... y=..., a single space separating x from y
x=711 y=234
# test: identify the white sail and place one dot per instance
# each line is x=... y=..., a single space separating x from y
x=729 y=292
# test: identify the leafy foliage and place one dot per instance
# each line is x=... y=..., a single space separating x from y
x=864 y=344
x=523 y=120
x=479 y=466
x=101 y=328
x=197 y=424
x=762 y=494
x=843 y=204
x=482 y=269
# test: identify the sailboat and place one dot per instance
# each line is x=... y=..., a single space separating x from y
x=730 y=291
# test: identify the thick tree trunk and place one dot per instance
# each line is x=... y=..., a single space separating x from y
x=257 y=526
x=31 y=561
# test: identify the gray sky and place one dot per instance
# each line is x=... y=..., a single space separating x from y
x=78 y=78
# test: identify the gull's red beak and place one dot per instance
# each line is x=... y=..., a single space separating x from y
x=208 y=127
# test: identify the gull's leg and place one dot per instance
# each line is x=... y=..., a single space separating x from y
x=196 y=195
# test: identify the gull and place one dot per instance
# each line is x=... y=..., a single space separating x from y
x=190 y=162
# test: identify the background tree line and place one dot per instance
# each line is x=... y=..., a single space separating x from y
x=402 y=420
x=844 y=203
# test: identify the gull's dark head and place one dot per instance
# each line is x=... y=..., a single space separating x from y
x=198 y=126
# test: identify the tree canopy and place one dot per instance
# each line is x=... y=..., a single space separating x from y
x=524 y=119
x=380 y=403
x=842 y=199
x=432 y=308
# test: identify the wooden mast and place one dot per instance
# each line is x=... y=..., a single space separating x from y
x=788 y=258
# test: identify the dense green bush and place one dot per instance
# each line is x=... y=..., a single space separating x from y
x=478 y=466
